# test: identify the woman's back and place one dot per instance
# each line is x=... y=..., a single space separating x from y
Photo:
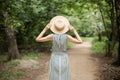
x=59 y=63
x=59 y=42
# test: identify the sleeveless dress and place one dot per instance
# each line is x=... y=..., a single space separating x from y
x=59 y=62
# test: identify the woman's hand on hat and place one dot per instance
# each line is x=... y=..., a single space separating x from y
x=47 y=26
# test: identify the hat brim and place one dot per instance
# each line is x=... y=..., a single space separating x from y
x=66 y=22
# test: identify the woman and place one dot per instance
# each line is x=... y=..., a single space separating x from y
x=59 y=62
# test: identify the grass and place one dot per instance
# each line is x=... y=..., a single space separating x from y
x=29 y=55
x=11 y=75
x=70 y=44
x=87 y=38
x=98 y=47
x=10 y=72
x=12 y=64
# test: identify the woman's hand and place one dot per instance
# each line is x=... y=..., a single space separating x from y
x=47 y=26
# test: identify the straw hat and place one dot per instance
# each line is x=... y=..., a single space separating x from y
x=59 y=24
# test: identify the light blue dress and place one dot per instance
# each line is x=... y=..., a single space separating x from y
x=59 y=62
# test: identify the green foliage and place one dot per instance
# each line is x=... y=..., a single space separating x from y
x=29 y=17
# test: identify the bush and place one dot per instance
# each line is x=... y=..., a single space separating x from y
x=98 y=47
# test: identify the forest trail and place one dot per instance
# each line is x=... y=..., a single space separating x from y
x=83 y=66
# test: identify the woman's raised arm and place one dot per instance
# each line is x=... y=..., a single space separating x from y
x=40 y=37
x=77 y=40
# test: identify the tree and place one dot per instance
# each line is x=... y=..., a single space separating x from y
x=117 y=8
x=13 y=52
x=108 y=18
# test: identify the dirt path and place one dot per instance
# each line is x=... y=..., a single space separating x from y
x=82 y=65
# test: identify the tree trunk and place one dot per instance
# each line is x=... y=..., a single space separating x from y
x=99 y=37
x=13 y=52
x=117 y=7
x=99 y=33
x=109 y=50
x=112 y=34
